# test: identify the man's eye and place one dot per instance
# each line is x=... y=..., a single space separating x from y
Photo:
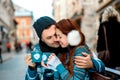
x=60 y=37
x=49 y=37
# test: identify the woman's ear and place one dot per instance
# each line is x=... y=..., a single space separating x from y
x=74 y=38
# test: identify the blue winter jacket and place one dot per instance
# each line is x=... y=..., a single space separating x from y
x=41 y=73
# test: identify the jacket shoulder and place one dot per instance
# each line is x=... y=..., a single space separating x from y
x=36 y=48
x=82 y=48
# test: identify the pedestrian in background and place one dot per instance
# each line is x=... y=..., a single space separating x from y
x=29 y=46
x=8 y=45
x=111 y=21
x=1 y=52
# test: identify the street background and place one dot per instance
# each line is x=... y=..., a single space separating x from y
x=17 y=36
x=13 y=66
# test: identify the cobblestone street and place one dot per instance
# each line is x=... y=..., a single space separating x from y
x=13 y=67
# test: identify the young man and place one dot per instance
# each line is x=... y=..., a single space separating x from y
x=48 y=42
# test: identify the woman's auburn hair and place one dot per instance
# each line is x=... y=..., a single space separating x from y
x=67 y=25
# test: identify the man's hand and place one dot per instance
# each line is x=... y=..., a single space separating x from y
x=29 y=62
x=84 y=61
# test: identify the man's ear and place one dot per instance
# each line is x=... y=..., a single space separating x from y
x=42 y=40
x=74 y=38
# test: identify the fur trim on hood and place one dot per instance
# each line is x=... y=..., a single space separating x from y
x=73 y=38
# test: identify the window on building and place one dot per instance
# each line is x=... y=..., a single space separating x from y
x=100 y=1
x=23 y=22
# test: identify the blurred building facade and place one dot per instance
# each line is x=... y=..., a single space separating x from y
x=24 y=18
x=78 y=8
x=104 y=3
x=89 y=10
x=66 y=8
x=7 y=23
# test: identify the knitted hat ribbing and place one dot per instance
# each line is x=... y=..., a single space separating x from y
x=42 y=23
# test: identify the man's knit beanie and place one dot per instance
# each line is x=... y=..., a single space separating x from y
x=42 y=23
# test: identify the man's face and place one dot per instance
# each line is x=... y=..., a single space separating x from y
x=49 y=37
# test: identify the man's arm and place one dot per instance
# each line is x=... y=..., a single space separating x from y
x=85 y=61
x=31 y=73
x=79 y=73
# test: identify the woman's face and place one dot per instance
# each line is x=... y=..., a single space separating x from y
x=62 y=38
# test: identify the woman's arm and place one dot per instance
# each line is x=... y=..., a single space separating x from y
x=99 y=66
x=78 y=73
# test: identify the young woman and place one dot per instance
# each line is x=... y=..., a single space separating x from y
x=70 y=36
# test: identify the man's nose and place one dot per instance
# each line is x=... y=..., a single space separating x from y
x=56 y=38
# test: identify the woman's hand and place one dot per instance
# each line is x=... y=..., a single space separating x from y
x=53 y=61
